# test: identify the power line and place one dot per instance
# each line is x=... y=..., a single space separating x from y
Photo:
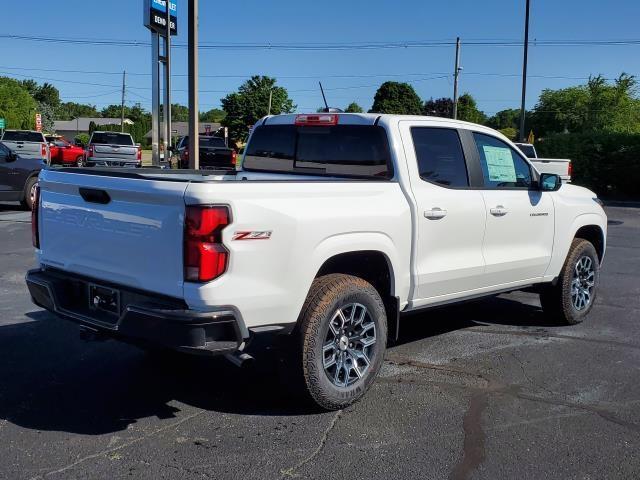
x=400 y=44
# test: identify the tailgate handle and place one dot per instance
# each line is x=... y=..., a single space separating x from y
x=93 y=195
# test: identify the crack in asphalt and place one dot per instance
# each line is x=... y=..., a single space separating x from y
x=291 y=471
x=119 y=447
x=473 y=451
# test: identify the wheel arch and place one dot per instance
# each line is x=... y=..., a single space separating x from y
x=594 y=234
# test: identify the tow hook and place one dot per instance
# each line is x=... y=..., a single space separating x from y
x=239 y=358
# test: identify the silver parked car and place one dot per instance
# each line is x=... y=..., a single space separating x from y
x=113 y=149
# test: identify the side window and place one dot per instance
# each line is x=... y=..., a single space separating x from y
x=4 y=153
x=502 y=166
x=440 y=157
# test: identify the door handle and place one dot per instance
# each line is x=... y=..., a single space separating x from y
x=435 y=213
x=499 y=211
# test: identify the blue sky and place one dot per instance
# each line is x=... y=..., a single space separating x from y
x=329 y=21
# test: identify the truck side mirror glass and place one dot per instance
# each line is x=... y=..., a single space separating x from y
x=550 y=182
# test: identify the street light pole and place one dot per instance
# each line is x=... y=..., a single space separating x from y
x=524 y=72
x=194 y=144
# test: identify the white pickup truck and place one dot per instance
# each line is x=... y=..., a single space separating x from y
x=333 y=226
x=560 y=166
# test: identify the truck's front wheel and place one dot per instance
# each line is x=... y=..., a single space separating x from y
x=571 y=299
x=343 y=328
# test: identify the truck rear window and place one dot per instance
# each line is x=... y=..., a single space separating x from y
x=112 y=138
x=23 y=137
x=340 y=150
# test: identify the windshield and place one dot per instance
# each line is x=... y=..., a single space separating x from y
x=528 y=150
x=349 y=150
x=207 y=142
x=112 y=138
x=21 y=136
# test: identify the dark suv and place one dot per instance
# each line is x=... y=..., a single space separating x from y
x=18 y=176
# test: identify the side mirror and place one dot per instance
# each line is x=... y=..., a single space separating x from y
x=550 y=182
x=11 y=157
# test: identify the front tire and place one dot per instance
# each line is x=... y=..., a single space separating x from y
x=80 y=161
x=571 y=299
x=343 y=327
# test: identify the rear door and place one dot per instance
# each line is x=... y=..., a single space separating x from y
x=123 y=230
x=451 y=215
x=518 y=240
x=6 y=172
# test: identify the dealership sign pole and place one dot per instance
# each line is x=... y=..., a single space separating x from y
x=155 y=19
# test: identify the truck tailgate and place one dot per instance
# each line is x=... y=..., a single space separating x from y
x=556 y=166
x=133 y=238
x=115 y=151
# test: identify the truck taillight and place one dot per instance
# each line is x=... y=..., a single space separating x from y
x=205 y=257
x=234 y=157
x=35 y=231
x=139 y=157
x=43 y=151
x=91 y=151
x=570 y=172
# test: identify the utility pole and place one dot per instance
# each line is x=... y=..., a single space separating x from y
x=270 y=98
x=124 y=88
x=456 y=74
x=167 y=87
x=524 y=72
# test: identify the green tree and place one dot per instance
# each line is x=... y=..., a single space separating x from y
x=509 y=118
x=179 y=113
x=215 y=115
x=509 y=132
x=353 y=107
x=17 y=106
x=442 y=107
x=468 y=110
x=48 y=94
x=251 y=102
x=47 y=115
x=595 y=106
x=71 y=110
x=398 y=98
x=82 y=139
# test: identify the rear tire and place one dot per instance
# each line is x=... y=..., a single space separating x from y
x=80 y=161
x=343 y=336
x=571 y=299
x=29 y=193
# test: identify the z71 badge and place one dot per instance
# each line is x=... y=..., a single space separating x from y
x=264 y=235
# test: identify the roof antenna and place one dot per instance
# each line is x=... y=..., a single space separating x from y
x=326 y=105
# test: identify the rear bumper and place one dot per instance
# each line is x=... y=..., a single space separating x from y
x=113 y=162
x=142 y=318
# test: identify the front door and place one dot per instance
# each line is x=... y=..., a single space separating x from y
x=450 y=217
x=518 y=239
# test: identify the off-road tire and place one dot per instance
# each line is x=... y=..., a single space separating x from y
x=556 y=299
x=328 y=294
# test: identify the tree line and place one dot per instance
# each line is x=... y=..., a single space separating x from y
x=598 y=105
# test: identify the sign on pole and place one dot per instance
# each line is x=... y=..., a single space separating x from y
x=155 y=16
x=2 y=124
x=38 y=122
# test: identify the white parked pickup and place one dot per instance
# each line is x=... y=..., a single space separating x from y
x=559 y=166
x=332 y=227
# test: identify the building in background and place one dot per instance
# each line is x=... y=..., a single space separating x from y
x=70 y=128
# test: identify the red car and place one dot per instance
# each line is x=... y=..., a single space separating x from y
x=64 y=153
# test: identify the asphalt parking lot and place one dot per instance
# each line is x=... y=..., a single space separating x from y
x=484 y=390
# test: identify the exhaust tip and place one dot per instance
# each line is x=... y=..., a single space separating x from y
x=240 y=359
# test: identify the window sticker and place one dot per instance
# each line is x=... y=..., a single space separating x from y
x=499 y=164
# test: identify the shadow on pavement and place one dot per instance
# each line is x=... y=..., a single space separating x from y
x=52 y=380
x=12 y=207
